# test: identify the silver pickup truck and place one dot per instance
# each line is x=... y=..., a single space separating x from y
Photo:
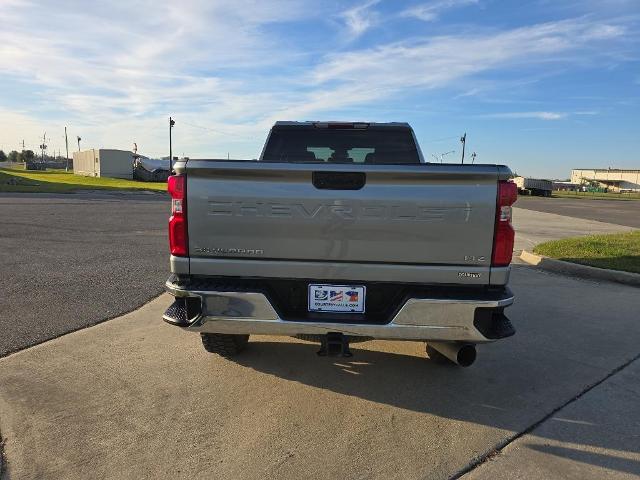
x=341 y=232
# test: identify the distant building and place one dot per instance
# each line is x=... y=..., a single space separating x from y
x=566 y=186
x=614 y=179
x=103 y=163
x=533 y=186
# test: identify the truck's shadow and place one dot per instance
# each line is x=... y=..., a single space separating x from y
x=500 y=390
x=405 y=381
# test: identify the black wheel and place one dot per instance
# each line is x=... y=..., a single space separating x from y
x=224 y=344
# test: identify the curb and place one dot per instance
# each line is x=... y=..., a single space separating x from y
x=584 y=271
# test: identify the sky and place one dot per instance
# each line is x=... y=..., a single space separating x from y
x=542 y=86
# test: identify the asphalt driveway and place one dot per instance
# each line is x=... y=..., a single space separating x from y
x=619 y=212
x=534 y=227
x=70 y=261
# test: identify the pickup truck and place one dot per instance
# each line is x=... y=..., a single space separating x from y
x=341 y=232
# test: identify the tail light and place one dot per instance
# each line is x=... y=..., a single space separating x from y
x=504 y=235
x=178 y=243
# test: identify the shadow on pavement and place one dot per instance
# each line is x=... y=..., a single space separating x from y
x=498 y=391
x=603 y=460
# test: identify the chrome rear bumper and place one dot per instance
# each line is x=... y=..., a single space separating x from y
x=435 y=319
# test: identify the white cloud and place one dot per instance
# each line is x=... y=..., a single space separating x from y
x=434 y=62
x=536 y=115
x=540 y=115
x=361 y=18
x=369 y=75
x=428 y=12
x=110 y=70
x=114 y=73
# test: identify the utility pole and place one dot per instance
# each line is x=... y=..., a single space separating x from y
x=66 y=144
x=171 y=124
x=43 y=147
x=463 y=139
x=79 y=143
x=134 y=160
x=473 y=157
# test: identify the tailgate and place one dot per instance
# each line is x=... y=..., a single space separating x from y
x=403 y=214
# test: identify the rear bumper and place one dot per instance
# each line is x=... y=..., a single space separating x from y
x=474 y=319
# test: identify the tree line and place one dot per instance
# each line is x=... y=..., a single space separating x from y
x=24 y=156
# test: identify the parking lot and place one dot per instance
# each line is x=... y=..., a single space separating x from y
x=134 y=397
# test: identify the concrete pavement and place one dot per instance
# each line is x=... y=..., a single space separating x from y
x=534 y=227
x=136 y=398
x=591 y=438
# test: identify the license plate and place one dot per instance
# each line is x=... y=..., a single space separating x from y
x=336 y=298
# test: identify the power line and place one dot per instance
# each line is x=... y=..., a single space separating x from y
x=218 y=131
x=442 y=155
x=441 y=139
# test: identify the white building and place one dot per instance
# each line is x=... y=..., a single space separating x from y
x=616 y=180
x=103 y=163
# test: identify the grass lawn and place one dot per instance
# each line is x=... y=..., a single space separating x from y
x=620 y=251
x=596 y=195
x=59 y=181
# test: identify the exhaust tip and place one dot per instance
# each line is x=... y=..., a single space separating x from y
x=466 y=355
x=463 y=354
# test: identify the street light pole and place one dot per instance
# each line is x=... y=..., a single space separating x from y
x=463 y=139
x=171 y=124
x=442 y=155
x=66 y=144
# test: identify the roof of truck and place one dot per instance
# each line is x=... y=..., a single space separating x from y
x=339 y=124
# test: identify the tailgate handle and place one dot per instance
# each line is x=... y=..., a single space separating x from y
x=339 y=180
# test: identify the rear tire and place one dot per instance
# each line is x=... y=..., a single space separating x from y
x=224 y=344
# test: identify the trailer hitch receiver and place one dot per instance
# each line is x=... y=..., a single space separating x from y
x=334 y=344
